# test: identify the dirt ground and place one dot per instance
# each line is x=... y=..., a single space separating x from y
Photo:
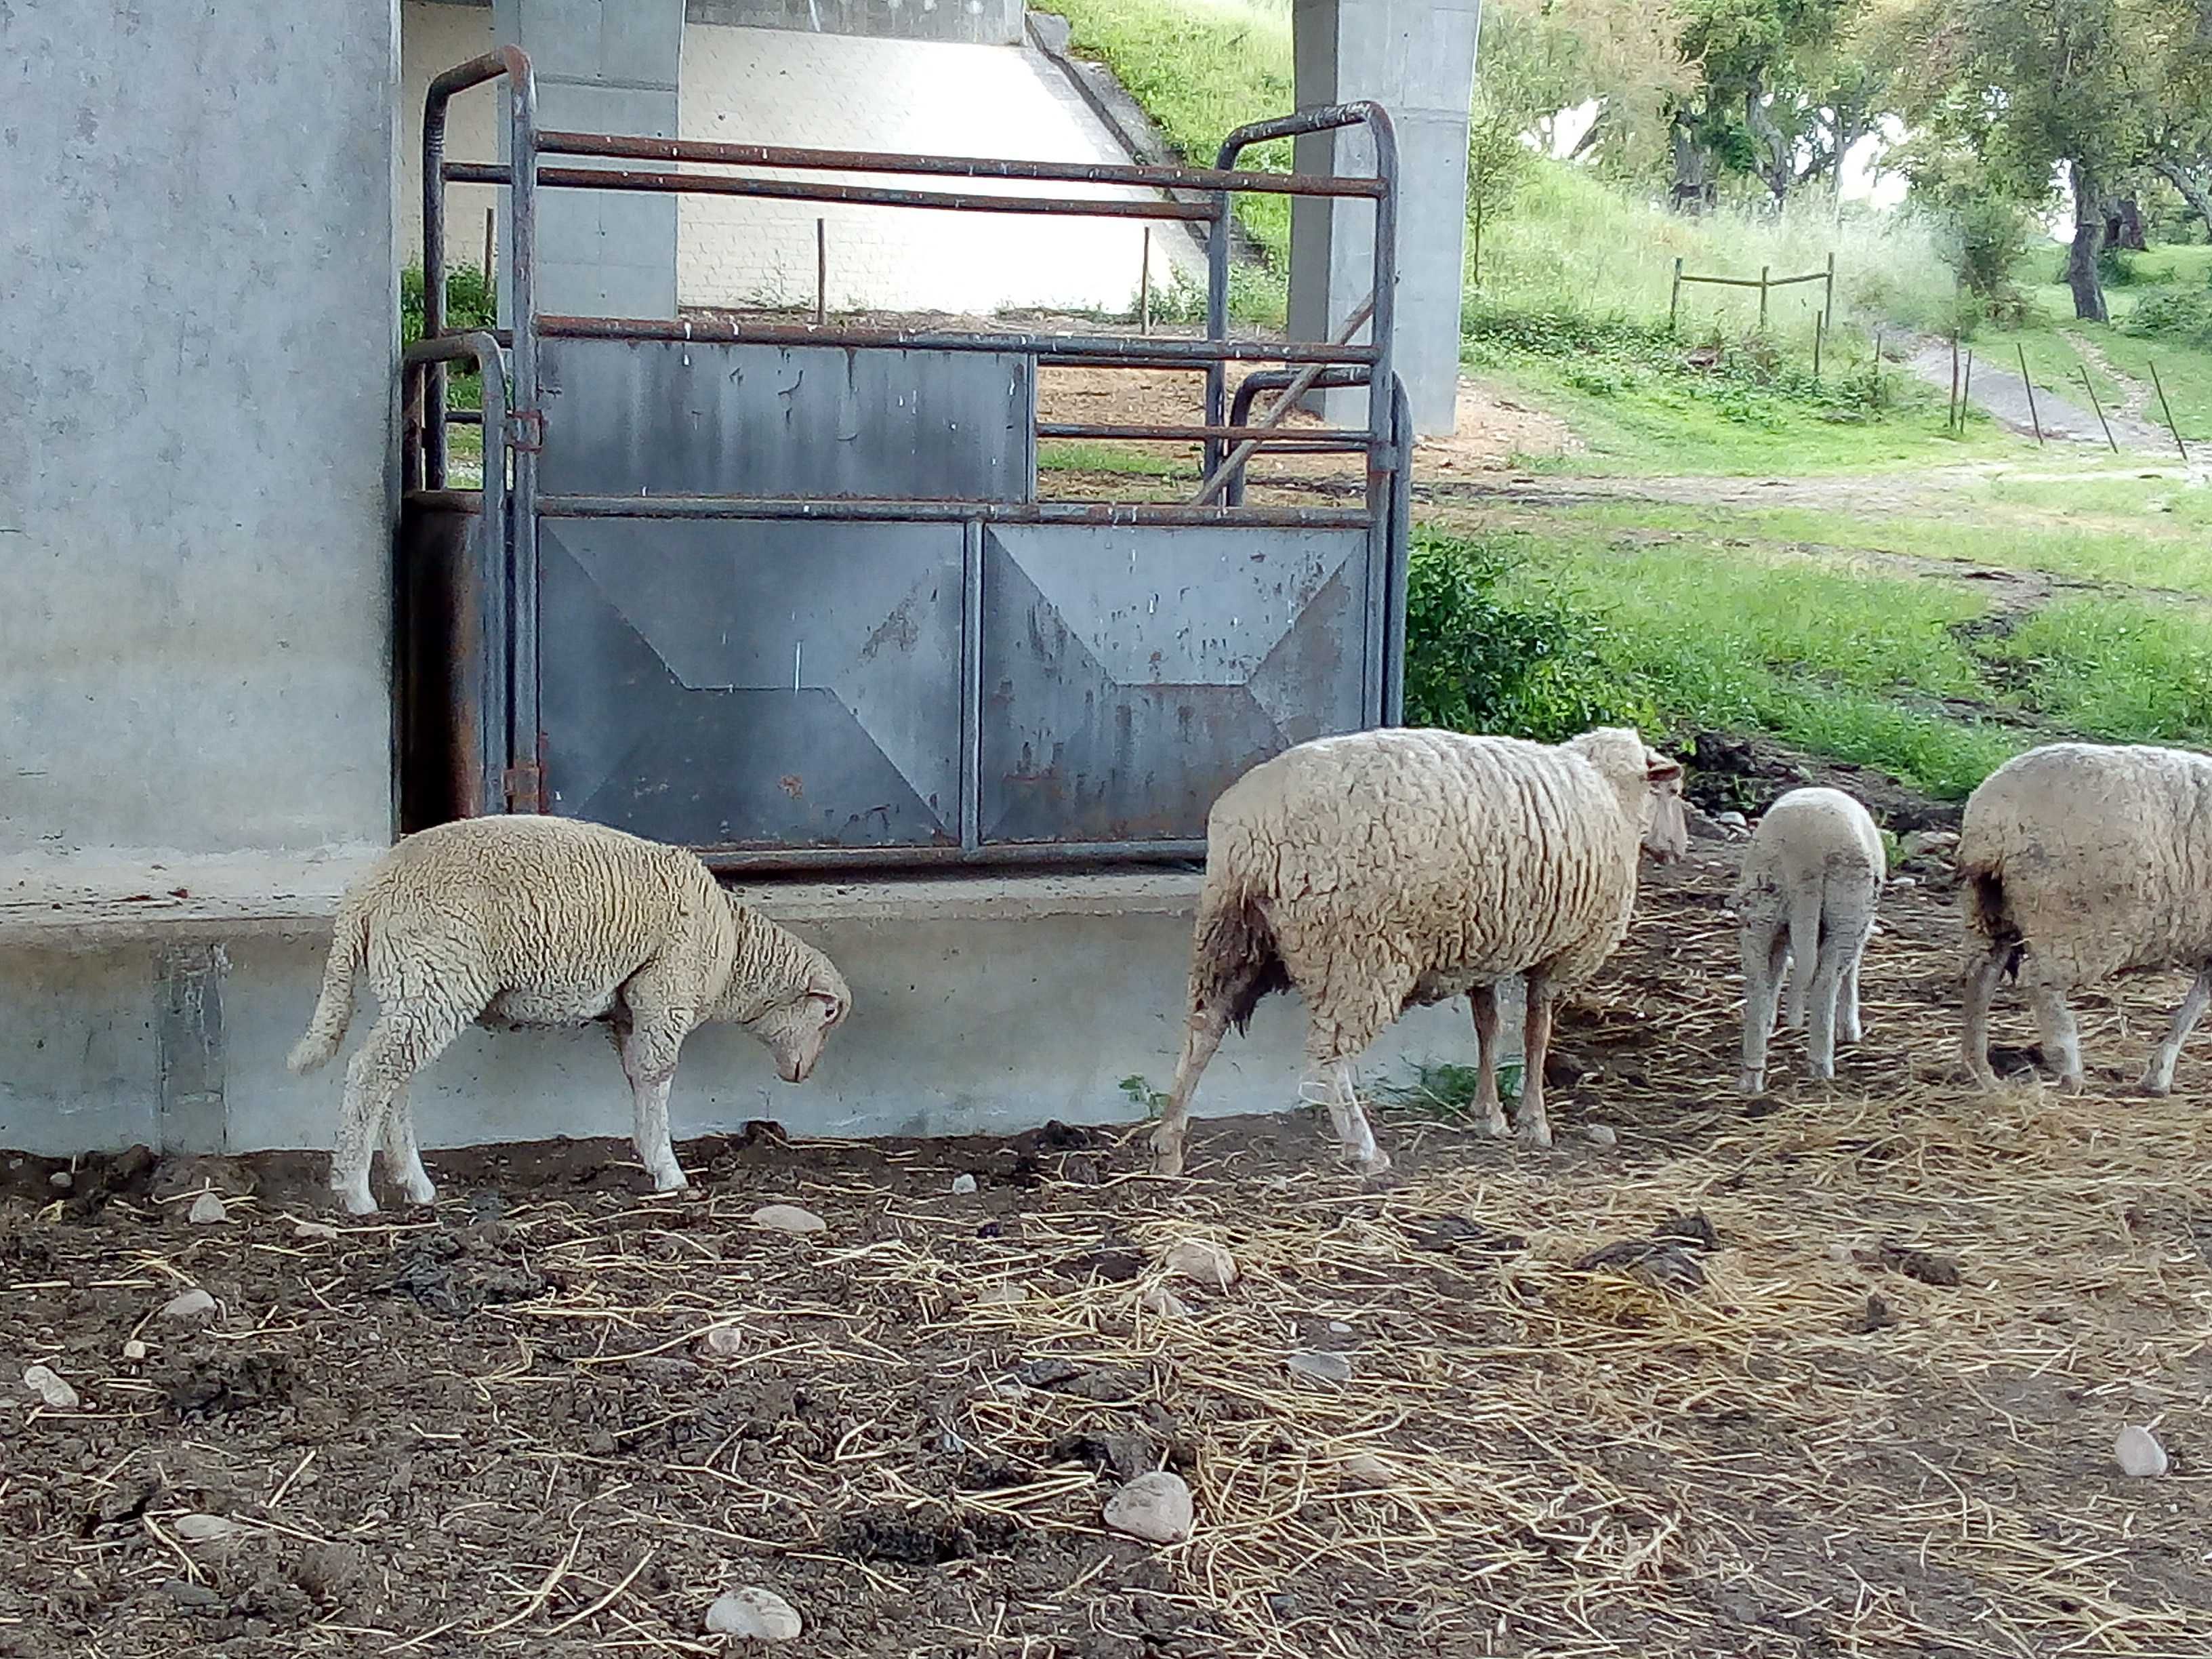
x=1850 y=1384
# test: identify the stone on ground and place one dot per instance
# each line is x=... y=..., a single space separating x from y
x=207 y=1209
x=1203 y=1262
x=188 y=1304
x=2139 y=1454
x=755 y=1615
x=54 y=1390
x=789 y=1218
x=1154 y=1507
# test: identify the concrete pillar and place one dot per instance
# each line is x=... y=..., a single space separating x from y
x=1416 y=58
x=603 y=66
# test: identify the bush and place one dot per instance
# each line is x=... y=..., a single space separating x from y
x=2181 y=315
x=1523 y=667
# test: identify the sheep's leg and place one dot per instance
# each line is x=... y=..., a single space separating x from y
x=1353 y=1135
x=1848 y=1024
x=1804 y=958
x=403 y=1157
x=1981 y=979
x=1528 y=1119
x=1827 y=989
x=2158 y=1076
x=1483 y=1001
x=404 y=1039
x=649 y=1054
x=1201 y=1036
x=1763 y=949
x=2062 y=1042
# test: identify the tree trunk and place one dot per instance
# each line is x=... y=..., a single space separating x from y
x=2192 y=188
x=2124 y=225
x=2089 y=242
x=1777 y=167
x=1693 y=189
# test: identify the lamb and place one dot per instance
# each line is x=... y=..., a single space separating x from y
x=2078 y=861
x=1383 y=869
x=1806 y=894
x=529 y=921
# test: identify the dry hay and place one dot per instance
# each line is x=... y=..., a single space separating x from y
x=1815 y=1452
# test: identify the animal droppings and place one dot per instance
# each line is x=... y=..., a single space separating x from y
x=1154 y=1507
x=963 y=1185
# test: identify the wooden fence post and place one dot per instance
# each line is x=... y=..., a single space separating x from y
x=1674 y=299
x=1829 y=304
x=1763 y=269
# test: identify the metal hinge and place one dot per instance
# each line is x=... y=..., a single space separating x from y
x=525 y=430
x=524 y=786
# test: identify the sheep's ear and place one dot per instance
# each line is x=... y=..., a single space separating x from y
x=1658 y=770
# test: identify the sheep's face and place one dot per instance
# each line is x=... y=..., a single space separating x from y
x=794 y=1029
x=1665 y=831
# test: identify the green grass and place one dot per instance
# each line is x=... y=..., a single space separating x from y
x=2125 y=670
x=1201 y=69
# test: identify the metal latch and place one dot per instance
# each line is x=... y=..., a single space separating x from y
x=524 y=787
x=525 y=430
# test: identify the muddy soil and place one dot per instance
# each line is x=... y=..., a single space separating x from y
x=1868 y=1406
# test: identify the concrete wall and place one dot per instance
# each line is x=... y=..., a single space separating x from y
x=975 y=23
x=995 y=1010
x=197 y=339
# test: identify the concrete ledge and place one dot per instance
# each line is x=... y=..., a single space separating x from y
x=90 y=900
x=154 y=999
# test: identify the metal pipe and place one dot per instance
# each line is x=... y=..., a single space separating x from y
x=1401 y=524
x=799 y=190
x=526 y=789
x=1100 y=349
x=1332 y=437
x=803 y=159
x=872 y=511
x=1234 y=461
x=493 y=661
x=1275 y=380
x=1000 y=854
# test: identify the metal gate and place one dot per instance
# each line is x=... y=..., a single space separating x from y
x=788 y=594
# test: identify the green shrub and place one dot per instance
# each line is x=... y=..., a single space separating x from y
x=2182 y=315
x=1476 y=662
x=469 y=302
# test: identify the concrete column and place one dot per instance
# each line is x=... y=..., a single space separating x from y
x=603 y=66
x=1415 y=58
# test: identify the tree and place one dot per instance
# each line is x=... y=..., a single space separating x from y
x=1540 y=57
x=2034 y=85
x=1497 y=163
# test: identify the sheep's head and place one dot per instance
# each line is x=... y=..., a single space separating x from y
x=1648 y=784
x=798 y=1021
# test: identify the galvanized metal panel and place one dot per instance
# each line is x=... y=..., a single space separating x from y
x=1129 y=675
x=632 y=417
x=756 y=682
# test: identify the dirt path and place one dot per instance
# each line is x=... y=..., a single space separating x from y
x=2000 y=392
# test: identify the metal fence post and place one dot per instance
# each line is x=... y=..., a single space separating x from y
x=2172 y=425
x=2034 y=420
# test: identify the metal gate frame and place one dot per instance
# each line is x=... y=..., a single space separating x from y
x=469 y=605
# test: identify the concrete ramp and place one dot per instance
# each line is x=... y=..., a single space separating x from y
x=843 y=92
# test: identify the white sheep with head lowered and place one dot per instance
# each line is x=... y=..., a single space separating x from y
x=1384 y=870
x=2078 y=861
x=1806 y=897
x=529 y=921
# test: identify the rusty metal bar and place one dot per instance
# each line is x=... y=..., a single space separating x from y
x=799 y=190
x=903 y=511
x=1396 y=576
x=1333 y=437
x=994 y=855
x=1300 y=384
x=802 y=160
x=1276 y=380
x=1103 y=349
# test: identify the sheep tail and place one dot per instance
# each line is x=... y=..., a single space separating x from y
x=333 y=1012
x=1234 y=962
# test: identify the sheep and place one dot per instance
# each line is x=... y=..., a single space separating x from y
x=530 y=921
x=2077 y=861
x=1383 y=869
x=1806 y=894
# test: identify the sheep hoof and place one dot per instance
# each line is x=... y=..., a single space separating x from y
x=419 y=1192
x=1535 y=1134
x=2156 y=1087
x=1752 y=1083
x=1375 y=1162
x=355 y=1200
x=1496 y=1127
x=2073 y=1085
x=670 y=1180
